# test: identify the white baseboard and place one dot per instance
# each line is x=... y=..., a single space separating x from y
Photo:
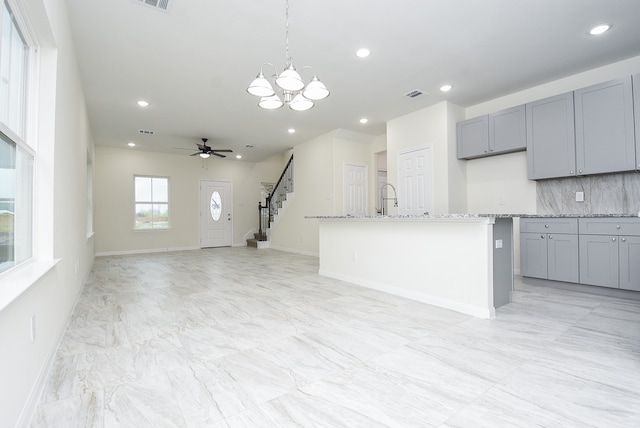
x=149 y=250
x=475 y=311
x=294 y=250
x=29 y=409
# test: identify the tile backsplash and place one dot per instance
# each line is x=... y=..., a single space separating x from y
x=603 y=194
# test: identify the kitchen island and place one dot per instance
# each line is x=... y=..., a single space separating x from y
x=462 y=262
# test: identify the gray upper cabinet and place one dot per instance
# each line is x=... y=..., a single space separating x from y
x=507 y=130
x=636 y=105
x=551 y=144
x=473 y=137
x=496 y=133
x=605 y=140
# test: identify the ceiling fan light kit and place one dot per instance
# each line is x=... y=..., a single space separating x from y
x=289 y=82
x=206 y=151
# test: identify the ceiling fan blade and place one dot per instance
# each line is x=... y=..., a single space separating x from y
x=179 y=148
x=196 y=154
x=222 y=150
x=218 y=154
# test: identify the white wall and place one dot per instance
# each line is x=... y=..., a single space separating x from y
x=114 y=197
x=63 y=141
x=432 y=127
x=318 y=183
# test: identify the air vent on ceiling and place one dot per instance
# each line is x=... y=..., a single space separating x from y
x=414 y=94
x=146 y=132
x=156 y=4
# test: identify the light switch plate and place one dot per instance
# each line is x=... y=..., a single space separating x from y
x=579 y=196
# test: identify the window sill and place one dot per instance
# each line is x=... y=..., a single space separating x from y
x=152 y=230
x=19 y=281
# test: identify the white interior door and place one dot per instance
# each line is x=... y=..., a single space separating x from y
x=216 y=203
x=415 y=182
x=355 y=190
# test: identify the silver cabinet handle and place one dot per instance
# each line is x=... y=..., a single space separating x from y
x=571 y=172
x=550 y=236
x=613 y=239
x=580 y=171
x=546 y=226
x=623 y=239
x=542 y=236
x=618 y=227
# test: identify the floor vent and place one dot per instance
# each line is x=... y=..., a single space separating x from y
x=146 y=132
x=414 y=94
x=156 y=4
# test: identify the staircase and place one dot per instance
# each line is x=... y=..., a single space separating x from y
x=275 y=203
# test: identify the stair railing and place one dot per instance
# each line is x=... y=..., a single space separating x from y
x=275 y=199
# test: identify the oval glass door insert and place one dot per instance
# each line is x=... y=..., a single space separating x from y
x=216 y=206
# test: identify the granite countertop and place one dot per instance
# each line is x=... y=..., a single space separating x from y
x=463 y=216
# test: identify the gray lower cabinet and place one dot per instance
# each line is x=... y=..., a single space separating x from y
x=599 y=260
x=629 y=260
x=551 y=144
x=552 y=255
x=636 y=105
x=605 y=137
x=610 y=253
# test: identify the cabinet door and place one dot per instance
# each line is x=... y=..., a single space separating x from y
x=605 y=140
x=533 y=255
x=562 y=262
x=599 y=260
x=630 y=262
x=507 y=130
x=551 y=145
x=636 y=106
x=473 y=137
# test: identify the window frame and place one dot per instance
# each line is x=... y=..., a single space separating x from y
x=24 y=143
x=153 y=203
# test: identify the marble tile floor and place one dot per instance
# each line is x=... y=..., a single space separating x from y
x=239 y=337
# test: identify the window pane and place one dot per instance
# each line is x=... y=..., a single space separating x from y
x=13 y=70
x=16 y=193
x=160 y=216
x=143 y=189
x=144 y=216
x=160 y=189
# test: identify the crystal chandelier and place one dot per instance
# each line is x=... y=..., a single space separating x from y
x=295 y=93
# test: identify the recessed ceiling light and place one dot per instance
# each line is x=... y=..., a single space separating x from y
x=291 y=131
x=445 y=88
x=238 y=156
x=363 y=53
x=364 y=120
x=143 y=103
x=131 y=144
x=599 y=29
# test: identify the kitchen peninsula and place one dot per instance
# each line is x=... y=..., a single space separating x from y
x=462 y=262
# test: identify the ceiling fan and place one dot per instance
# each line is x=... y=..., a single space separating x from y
x=206 y=151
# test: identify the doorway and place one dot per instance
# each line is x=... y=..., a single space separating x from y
x=355 y=190
x=415 y=182
x=216 y=206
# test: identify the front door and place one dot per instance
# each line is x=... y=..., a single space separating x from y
x=216 y=202
x=415 y=182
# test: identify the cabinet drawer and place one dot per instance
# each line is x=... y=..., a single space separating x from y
x=549 y=225
x=609 y=226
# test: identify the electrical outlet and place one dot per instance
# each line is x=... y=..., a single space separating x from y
x=579 y=196
x=498 y=243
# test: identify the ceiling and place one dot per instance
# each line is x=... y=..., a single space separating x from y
x=193 y=62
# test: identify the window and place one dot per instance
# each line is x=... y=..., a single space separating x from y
x=152 y=202
x=16 y=158
x=14 y=54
